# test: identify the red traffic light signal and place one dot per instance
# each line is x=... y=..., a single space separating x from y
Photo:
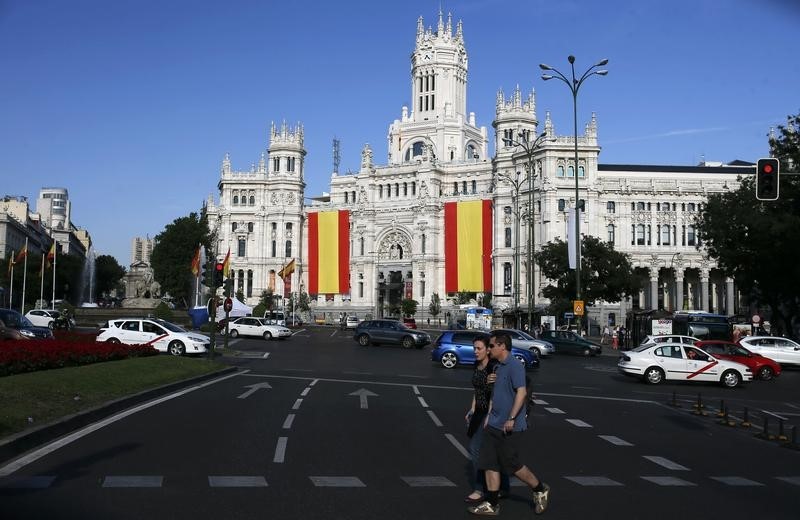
x=767 y=179
x=219 y=275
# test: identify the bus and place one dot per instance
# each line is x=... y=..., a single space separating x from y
x=699 y=324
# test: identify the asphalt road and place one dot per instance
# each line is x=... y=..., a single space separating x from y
x=318 y=427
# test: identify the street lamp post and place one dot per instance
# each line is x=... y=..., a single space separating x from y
x=574 y=86
x=530 y=148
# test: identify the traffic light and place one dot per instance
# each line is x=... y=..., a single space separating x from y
x=219 y=277
x=204 y=275
x=767 y=181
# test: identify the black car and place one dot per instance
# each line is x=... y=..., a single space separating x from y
x=389 y=332
x=14 y=325
x=567 y=342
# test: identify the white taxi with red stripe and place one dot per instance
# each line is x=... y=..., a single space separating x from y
x=163 y=335
x=679 y=362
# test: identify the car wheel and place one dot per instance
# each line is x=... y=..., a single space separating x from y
x=407 y=342
x=536 y=351
x=587 y=351
x=654 y=375
x=520 y=358
x=234 y=333
x=765 y=373
x=363 y=340
x=449 y=360
x=731 y=379
x=176 y=348
x=267 y=335
x=112 y=340
x=51 y=325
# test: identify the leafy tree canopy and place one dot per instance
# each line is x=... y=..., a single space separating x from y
x=108 y=274
x=435 y=307
x=409 y=307
x=606 y=274
x=172 y=254
x=756 y=242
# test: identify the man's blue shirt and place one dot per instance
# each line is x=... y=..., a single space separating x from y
x=510 y=376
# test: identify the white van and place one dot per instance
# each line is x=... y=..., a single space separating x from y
x=275 y=318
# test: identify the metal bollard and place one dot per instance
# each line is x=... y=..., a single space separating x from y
x=721 y=412
x=698 y=406
x=674 y=402
x=781 y=435
x=746 y=420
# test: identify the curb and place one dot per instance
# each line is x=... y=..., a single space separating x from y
x=20 y=443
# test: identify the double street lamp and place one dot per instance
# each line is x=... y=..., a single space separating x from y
x=574 y=86
x=530 y=148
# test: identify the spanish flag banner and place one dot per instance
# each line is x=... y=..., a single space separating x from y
x=51 y=255
x=226 y=265
x=468 y=246
x=287 y=270
x=329 y=252
x=196 y=262
x=23 y=253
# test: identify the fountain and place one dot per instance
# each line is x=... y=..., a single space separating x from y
x=88 y=280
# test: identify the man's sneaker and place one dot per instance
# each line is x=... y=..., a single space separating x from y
x=484 y=508
x=540 y=499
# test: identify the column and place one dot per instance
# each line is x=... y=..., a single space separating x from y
x=679 y=289
x=704 y=290
x=715 y=303
x=641 y=299
x=731 y=308
x=654 y=288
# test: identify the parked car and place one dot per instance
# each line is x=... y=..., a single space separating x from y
x=275 y=318
x=351 y=322
x=567 y=342
x=14 y=325
x=162 y=335
x=454 y=347
x=43 y=317
x=679 y=362
x=782 y=350
x=521 y=339
x=669 y=338
x=411 y=323
x=389 y=332
x=762 y=367
x=260 y=327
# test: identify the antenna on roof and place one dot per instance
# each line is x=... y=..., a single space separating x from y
x=336 y=156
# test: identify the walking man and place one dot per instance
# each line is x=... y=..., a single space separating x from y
x=504 y=425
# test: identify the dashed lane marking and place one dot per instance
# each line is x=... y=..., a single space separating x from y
x=428 y=481
x=435 y=419
x=790 y=480
x=540 y=402
x=280 y=450
x=337 y=482
x=287 y=424
x=296 y=405
x=669 y=481
x=237 y=482
x=458 y=445
x=422 y=402
x=579 y=423
x=39 y=482
x=305 y=392
x=555 y=410
x=737 y=481
x=594 y=481
x=666 y=463
x=616 y=441
x=133 y=481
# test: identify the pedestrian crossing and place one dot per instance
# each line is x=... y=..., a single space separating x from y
x=417 y=481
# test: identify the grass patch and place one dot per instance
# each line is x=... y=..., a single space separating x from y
x=51 y=394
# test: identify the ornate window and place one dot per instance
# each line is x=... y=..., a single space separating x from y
x=560 y=171
x=250 y=226
x=249 y=283
x=640 y=235
x=235 y=200
x=611 y=207
x=288 y=248
x=691 y=236
x=610 y=229
x=570 y=171
x=474 y=187
x=233 y=227
x=508 y=237
x=581 y=171
x=252 y=200
x=274 y=249
x=242 y=250
x=507 y=278
x=665 y=235
x=562 y=204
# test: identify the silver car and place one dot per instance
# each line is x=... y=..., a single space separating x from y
x=522 y=339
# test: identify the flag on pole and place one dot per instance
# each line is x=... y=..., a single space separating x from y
x=11 y=264
x=226 y=264
x=468 y=246
x=51 y=255
x=287 y=270
x=23 y=253
x=329 y=252
x=196 y=262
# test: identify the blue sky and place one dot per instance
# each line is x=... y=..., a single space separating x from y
x=131 y=105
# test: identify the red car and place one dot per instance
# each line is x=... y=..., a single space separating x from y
x=411 y=323
x=762 y=367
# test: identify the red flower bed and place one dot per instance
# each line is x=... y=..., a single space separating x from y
x=30 y=355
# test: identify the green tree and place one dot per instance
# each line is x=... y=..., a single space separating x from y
x=300 y=303
x=755 y=242
x=172 y=254
x=606 y=274
x=435 y=307
x=108 y=274
x=240 y=295
x=464 y=297
x=409 y=306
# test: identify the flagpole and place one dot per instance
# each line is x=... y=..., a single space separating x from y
x=11 y=279
x=55 y=255
x=24 y=278
x=41 y=286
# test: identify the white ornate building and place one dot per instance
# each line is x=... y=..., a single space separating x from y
x=437 y=153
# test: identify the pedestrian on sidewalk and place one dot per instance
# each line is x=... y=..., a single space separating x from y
x=606 y=335
x=504 y=427
x=476 y=416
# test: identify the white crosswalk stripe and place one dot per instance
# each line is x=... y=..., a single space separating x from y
x=666 y=463
x=616 y=441
x=594 y=481
x=555 y=410
x=432 y=481
x=669 y=481
x=133 y=481
x=737 y=481
x=337 y=482
x=239 y=481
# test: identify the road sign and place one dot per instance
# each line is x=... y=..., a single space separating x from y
x=228 y=305
x=756 y=319
x=568 y=315
x=577 y=307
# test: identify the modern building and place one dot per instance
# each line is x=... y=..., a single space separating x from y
x=406 y=240
x=141 y=249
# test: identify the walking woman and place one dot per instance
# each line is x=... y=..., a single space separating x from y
x=482 y=381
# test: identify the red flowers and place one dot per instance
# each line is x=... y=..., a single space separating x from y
x=34 y=354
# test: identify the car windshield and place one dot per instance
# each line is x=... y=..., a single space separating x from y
x=170 y=326
x=642 y=348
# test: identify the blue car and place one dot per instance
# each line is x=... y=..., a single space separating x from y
x=454 y=347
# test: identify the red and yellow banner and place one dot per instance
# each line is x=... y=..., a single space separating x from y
x=468 y=246
x=329 y=252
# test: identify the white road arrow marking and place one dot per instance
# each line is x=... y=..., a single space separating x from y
x=362 y=394
x=253 y=389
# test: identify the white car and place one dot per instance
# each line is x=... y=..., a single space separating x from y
x=669 y=338
x=250 y=326
x=521 y=339
x=678 y=362
x=163 y=335
x=351 y=322
x=43 y=317
x=782 y=350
